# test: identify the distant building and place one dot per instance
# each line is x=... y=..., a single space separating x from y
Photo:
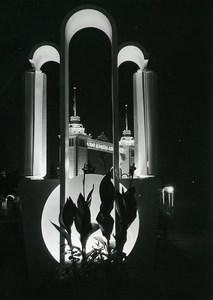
x=127 y=148
x=97 y=152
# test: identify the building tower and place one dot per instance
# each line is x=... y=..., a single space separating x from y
x=126 y=148
x=78 y=155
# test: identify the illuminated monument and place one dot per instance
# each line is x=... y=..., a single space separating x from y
x=98 y=152
x=35 y=189
x=82 y=148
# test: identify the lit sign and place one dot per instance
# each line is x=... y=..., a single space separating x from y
x=99 y=146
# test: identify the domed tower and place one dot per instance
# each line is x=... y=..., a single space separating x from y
x=78 y=154
x=126 y=148
x=75 y=126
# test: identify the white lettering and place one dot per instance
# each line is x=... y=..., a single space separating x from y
x=99 y=146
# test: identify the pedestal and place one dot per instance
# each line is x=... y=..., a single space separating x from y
x=33 y=196
x=141 y=258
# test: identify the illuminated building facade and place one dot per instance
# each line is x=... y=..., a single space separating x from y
x=144 y=104
x=98 y=152
x=85 y=150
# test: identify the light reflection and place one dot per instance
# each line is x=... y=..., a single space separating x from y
x=51 y=212
x=167 y=200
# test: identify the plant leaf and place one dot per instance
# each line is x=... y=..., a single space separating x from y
x=78 y=221
x=68 y=214
x=89 y=197
x=64 y=233
x=83 y=220
x=106 y=223
x=95 y=227
x=131 y=205
x=121 y=226
x=120 y=207
x=107 y=192
x=83 y=208
x=126 y=211
x=85 y=235
x=60 y=219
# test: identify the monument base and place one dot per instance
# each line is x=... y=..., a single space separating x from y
x=42 y=265
x=141 y=259
x=33 y=196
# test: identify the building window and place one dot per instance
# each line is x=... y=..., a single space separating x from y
x=71 y=142
x=132 y=152
x=81 y=142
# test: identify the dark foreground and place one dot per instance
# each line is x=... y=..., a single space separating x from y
x=183 y=270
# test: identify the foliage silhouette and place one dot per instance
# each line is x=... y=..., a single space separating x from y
x=104 y=219
x=106 y=254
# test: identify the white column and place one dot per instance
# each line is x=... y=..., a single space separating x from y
x=169 y=200
x=29 y=123
x=44 y=126
x=139 y=124
x=39 y=157
x=35 y=124
x=163 y=197
x=149 y=84
x=172 y=200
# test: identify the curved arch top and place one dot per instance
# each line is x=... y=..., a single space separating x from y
x=42 y=53
x=88 y=17
x=133 y=53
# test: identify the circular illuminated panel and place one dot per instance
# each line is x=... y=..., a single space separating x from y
x=51 y=212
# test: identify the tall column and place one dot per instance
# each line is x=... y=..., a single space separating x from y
x=150 y=95
x=144 y=94
x=139 y=124
x=29 y=123
x=35 y=124
x=44 y=125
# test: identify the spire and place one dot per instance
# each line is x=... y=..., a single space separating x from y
x=74 y=101
x=127 y=139
x=126 y=117
x=75 y=126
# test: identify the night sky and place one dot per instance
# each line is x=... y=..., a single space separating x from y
x=178 y=37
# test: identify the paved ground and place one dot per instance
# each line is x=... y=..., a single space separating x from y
x=183 y=270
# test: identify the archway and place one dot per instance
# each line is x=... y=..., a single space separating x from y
x=90 y=73
x=36 y=114
x=144 y=115
x=76 y=20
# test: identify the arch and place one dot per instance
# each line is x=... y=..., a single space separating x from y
x=42 y=53
x=36 y=116
x=143 y=99
x=167 y=197
x=80 y=18
x=133 y=52
x=87 y=18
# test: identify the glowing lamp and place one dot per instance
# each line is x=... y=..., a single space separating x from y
x=170 y=189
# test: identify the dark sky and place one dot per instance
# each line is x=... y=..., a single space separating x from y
x=177 y=34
